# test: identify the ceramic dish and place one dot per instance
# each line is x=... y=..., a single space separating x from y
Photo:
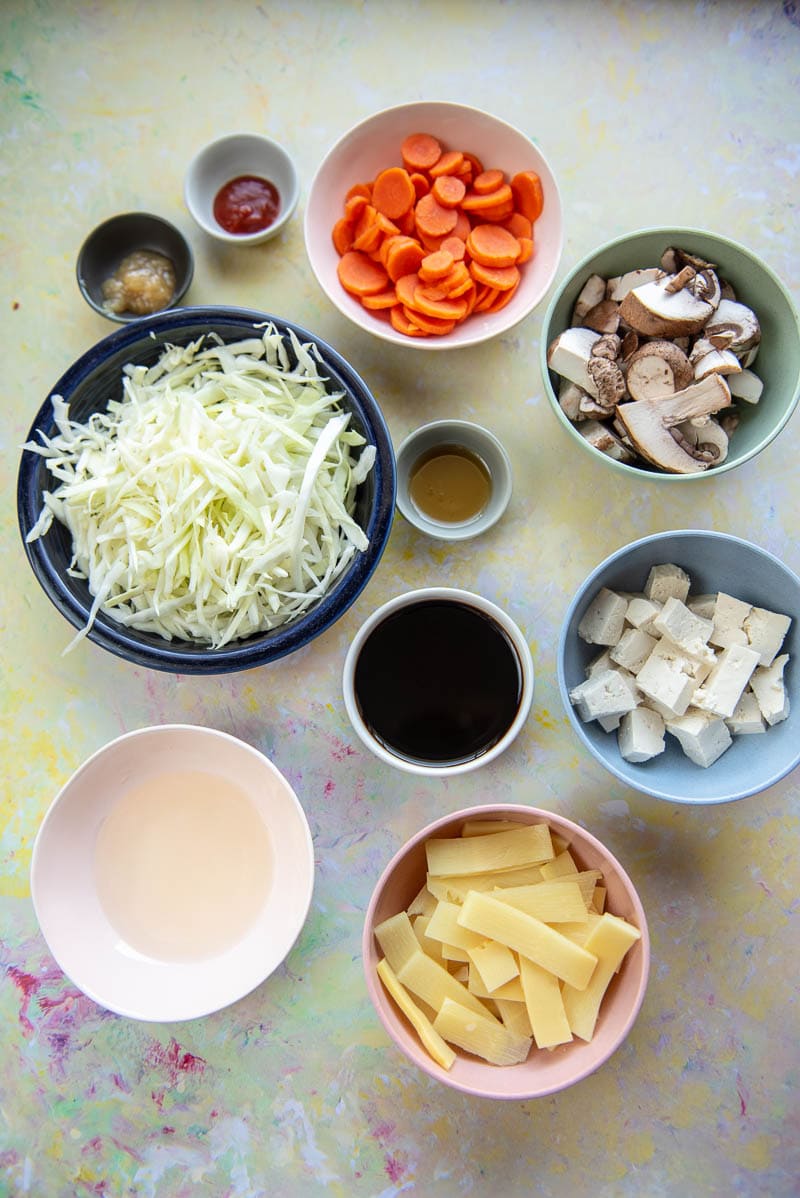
x=374 y=144
x=233 y=157
x=545 y=1071
x=438 y=682
x=112 y=241
x=714 y=561
x=87 y=387
x=472 y=488
x=777 y=363
x=75 y=848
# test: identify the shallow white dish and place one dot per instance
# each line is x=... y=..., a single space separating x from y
x=227 y=158
x=64 y=887
x=440 y=434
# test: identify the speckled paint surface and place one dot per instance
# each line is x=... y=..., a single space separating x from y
x=649 y=113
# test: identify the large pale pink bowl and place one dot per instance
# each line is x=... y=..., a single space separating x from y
x=544 y=1072
x=374 y=144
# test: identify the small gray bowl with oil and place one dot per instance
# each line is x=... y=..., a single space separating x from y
x=454 y=479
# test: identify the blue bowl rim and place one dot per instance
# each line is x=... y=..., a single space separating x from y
x=261 y=648
x=581 y=597
x=585 y=264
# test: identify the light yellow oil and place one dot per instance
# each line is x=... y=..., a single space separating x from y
x=450 y=484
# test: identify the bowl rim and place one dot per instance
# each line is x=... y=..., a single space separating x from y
x=584 y=264
x=385 y=332
x=474 y=436
x=199 y=1008
x=455 y=595
x=138 y=215
x=207 y=152
x=255 y=651
x=580 y=597
x=528 y=814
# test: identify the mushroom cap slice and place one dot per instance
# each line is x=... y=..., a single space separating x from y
x=706 y=439
x=657 y=368
x=569 y=353
x=738 y=319
x=656 y=311
x=648 y=423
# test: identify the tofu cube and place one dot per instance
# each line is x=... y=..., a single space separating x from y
x=601 y=662
x=605 y=693
x=729 y=617
x=641 y=735
x=686 y=630
x=768 y=687
x=665 y=582
x=664 y=679
x=766 y=631
x=747 y=718
x=604 y=618
x=702 y=605
x=703 y=737
x=633 y=649
x=641 y=613
x=722 y=689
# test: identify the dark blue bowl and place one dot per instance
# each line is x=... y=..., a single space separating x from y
x=89 y=384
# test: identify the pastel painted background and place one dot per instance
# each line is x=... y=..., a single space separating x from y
x=648 y=113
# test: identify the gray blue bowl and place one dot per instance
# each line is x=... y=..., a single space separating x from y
x=714 y=561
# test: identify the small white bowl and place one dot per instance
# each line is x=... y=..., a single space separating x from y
x=436 y=691
x=477 y=441
x=227 y=158
x=74 y=851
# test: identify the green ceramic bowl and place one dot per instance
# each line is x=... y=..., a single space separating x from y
x=778 y=361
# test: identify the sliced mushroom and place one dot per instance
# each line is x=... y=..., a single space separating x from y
x=591 y=294
x=608 y=346
x=707 y=359
x=705 y=285
x=569 y=399
x=608 y=380
x=736 y=318
x=649 y=421
x=703 y=438
x=674 y=258
x=603 y=317
x=602 y=437
x=746 y=385
x=657 y=368
x=656 y=311
x=619 y=287
x=569 y=354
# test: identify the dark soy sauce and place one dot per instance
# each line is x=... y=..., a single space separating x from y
x=438 y=682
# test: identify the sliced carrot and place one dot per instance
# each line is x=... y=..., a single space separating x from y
x=463 y=225
x=448 y=190
x=492 y=245
x=442 y=309
x=501 y=277
x=448 y=164
x=403 y=258
x=473 y=202
x=354 y=206
x=407 y=223
x=499 y=214
x=383 y=299
x=518 y=224
x=420 y=151
x=393 y=192
x=502 y=298
x=367 y=234
x=359 y=275
x=474 y=162
x=422 y=184
x=405 y=287
x=401 y=322
x=488 y=181
x=433 y=219
x=359 y=189
x=429 y=324
x=385 y=225
x=528 y=194
x=483 y=297
x=342 y=235
x=436 y=266
x=526 y=249
x=455 y=246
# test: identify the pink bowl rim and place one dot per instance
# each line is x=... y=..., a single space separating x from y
x=376 y=994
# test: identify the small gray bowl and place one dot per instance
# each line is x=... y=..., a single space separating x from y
x=477 y=441
x=106 y=246
x=227 y=158
x=714 y=561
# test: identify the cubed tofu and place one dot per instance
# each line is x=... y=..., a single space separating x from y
x=702 y=605
x=703 y=737
x=766 y=631
x=606 y=693
x=641 y=612
x=633 y=649
x=686 y=630
x=729 y=616
x=641 y=735
x=722 y=689
x=667 y=679
x=747 y=718
x=604 y=618
x=768 y=687
x=667 y=581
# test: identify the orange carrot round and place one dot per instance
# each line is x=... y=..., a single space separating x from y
x=342 y=235
x=488 y=181
x=455 y=246
x=403 y=258
x=420 y=151
x=435 y=266
x=473 y=202
x=433 y=219
x=528 y=195
x=359 y=275
x=448 y=164
x=421 y=184
x=448 y=190
x=393 y=192
x=492 y=245
x=501 y=277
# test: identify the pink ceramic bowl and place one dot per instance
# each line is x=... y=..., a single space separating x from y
x=545 y=1071
x=374 y=144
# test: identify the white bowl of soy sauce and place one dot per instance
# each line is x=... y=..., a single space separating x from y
x=438 y=681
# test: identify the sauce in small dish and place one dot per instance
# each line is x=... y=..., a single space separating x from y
x=247 y=204
x=143 y=283
x=450 y=483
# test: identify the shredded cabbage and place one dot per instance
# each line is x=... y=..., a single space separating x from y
x=215 y=499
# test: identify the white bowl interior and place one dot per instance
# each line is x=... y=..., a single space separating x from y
x=227 y=158
x=714 y=561
x=83 y=941
x=479 y=441
x=374 y=144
